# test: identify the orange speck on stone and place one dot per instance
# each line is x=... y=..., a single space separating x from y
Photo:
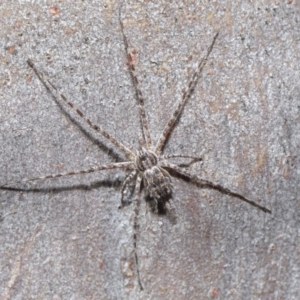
x=133 y=60
x=54 y=10
x=11 y=50
x=210 y=72
x=214 y=292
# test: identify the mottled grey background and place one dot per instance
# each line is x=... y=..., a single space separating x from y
x=66 y=239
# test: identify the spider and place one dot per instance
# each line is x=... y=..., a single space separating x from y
x=146 y=165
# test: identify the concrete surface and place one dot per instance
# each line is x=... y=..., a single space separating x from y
x=66 y=238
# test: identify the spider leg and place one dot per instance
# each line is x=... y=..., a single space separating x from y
x=206 y=183
x=138 y=93
x=127 y=145
x=186 y=95
x=120 y=165
x=61 y=100
x=136 y=225
x=181 y=155
x=186 y=165
x=128 y=178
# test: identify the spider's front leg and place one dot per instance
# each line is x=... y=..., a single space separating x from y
x=72 y=111
x=138 y=93
x=186 y=95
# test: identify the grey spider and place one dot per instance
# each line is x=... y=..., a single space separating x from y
x=146 y=165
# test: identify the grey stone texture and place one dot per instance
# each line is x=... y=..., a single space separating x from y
x=66 y=238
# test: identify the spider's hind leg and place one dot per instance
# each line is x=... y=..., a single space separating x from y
x=136 y=225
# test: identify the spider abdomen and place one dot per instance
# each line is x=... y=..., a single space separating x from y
x=158 y=183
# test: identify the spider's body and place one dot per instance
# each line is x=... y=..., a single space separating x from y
x=158 y=183
x=147 y=165
x=156 y=180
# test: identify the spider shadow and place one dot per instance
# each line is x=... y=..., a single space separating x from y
x=85 y=187
x=156 y=207
x=217 y=187
x=197 y=184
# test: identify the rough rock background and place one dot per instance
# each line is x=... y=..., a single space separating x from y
x=66 y=239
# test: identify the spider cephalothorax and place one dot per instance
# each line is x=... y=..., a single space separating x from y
x=146 y=165
x=145 y=159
